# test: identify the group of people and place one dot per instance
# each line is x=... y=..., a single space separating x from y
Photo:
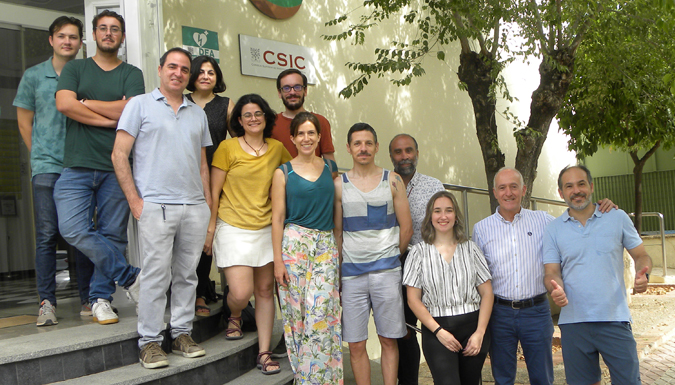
x=269 y=205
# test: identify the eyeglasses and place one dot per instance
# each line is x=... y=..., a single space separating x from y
x=296 y=88
x=104 y=29
x=257 y=114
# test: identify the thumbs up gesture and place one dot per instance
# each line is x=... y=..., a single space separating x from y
x=641 y=281
x=558 y=294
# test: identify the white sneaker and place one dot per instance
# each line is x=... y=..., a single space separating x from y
x=134 y=291
x=103 y=312
x=47 y=315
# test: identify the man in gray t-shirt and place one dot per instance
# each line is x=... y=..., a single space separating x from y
x=169 y=195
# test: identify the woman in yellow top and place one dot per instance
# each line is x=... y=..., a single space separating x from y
x=240 y=230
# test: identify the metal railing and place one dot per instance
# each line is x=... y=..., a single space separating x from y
x=465 y=191
x=663 y=237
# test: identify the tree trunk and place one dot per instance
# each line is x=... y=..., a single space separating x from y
x=476 y=71
x=637 y=173
x=556 y=73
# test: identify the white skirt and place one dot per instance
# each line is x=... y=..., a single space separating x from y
x=233 y=246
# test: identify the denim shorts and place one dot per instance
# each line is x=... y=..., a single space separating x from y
x=381 y=291
x=583 y=342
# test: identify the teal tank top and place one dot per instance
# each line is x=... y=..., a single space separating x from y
x=310 y=204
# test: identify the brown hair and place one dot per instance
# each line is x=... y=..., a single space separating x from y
x=428 y=230
x=304 y=117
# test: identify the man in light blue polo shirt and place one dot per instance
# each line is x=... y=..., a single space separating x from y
x=170 y=196
x=43 y=129
x=583 y=257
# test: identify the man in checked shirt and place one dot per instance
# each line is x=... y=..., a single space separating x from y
x=512 y=241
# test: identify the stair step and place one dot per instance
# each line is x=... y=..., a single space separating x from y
x=62 y=354
x=223 y=362
x=255 y=376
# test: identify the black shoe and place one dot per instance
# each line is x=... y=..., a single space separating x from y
x=280 y=351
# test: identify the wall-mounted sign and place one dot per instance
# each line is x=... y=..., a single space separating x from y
x=278 y=9
x=266 y=58
x=201 y=42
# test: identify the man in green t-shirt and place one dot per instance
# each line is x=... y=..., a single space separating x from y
x=92 y=93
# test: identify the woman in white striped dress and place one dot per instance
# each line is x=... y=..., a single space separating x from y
x=449 y=290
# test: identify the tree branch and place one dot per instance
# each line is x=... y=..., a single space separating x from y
x=495 y=42
x=539 y=25
x=463 y=40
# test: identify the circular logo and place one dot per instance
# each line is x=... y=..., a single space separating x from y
x=278 y=9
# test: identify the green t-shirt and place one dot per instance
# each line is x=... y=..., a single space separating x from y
x=91 y=146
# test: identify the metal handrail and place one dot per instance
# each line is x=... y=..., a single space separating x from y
x=663 y=237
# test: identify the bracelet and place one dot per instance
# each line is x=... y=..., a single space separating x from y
x=438 y=330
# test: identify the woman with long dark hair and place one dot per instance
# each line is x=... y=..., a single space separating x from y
x=206 y=82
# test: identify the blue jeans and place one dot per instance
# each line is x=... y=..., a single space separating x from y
x=533 y=326
x=75 y=193
x=46 y=237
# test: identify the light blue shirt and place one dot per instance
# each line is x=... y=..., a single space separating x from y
x=168 y=147
x=513 y=251
x=591 y=260
x=36 y=93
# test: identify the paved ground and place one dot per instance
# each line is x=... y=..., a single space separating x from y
x=658 y=368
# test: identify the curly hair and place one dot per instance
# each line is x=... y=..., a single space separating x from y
x=270 y=115
x=428 y=230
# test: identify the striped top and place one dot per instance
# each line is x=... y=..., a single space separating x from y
x=448 y=288
x=370 y=230
x=514 y=252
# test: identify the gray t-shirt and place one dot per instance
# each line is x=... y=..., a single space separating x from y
x=167 y=151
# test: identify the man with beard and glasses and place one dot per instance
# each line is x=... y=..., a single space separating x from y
x=292 y=89
x=372 y=230
x=92 y=93
x=404 y=153
x=583 y=259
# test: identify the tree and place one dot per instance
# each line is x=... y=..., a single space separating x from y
x=549 y=31
x=621 y=97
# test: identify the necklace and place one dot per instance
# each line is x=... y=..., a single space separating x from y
x=257 y=152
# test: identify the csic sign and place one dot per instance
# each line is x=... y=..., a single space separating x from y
x=266 y=58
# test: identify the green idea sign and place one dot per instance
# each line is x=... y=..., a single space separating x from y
x=201 y=42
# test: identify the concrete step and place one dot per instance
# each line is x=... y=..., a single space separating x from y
x=223 y=362
x=57 y=355
x=255 y=376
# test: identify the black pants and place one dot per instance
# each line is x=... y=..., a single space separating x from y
x=204 y=288
x=450 y=368
x=408 y=349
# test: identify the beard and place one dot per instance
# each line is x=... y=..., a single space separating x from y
x=578 y=207
x=294 y=106
x=112 y=49
x=401 y=170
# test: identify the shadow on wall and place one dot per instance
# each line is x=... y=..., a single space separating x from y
x=432 y=108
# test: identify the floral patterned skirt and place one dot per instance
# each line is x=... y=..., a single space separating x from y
x=310 y=306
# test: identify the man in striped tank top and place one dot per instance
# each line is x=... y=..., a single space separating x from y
x=372 y=229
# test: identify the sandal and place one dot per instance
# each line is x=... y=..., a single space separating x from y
x=201 y=310
x=236 y=322
x=263 y=364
